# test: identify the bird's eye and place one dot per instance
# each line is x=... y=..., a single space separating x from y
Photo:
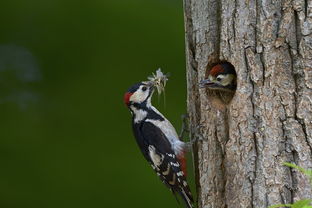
x=144 y=88
x=219 y=79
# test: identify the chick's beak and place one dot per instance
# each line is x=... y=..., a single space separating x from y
x=206 y=83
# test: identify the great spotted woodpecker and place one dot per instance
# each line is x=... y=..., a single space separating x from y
x=158 y=140
x=221 y=77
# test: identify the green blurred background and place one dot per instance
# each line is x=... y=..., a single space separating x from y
x=66 y=138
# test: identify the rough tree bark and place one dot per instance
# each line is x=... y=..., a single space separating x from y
x=239 y=160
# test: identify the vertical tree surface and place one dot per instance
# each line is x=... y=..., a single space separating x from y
x=243 y=143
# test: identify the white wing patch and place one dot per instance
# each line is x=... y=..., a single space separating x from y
x=184 y=183
x=156 y=158
x=180 y=173
x=176 y=164
x=170 y=155
x=169 y=131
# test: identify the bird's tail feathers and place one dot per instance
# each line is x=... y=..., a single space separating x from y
x=175 y=196
x=187 y=198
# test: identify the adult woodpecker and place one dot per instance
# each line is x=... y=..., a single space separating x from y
x=158 y=140
x=221 y=77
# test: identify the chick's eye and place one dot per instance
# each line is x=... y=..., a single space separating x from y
x=144 y=88
x=218 y=79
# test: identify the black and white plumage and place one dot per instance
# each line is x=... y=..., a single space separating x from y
x=158 y=140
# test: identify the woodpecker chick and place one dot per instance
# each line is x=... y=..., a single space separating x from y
x=221 y=77
x=158 y=140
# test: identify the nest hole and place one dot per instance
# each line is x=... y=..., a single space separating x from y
x=220 y=82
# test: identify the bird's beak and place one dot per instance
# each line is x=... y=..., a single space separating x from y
x=151 y=87
x=211 y=85
x=206 y=83
x=149 y=84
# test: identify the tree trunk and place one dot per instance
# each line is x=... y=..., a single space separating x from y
x=243 y=143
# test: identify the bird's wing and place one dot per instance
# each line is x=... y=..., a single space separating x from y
x=164 y=161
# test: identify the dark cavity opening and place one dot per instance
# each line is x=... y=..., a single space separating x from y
x=220 y=81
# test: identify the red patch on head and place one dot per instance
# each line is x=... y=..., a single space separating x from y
x=216 y=70
x=127 y=97
x=182 y=161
